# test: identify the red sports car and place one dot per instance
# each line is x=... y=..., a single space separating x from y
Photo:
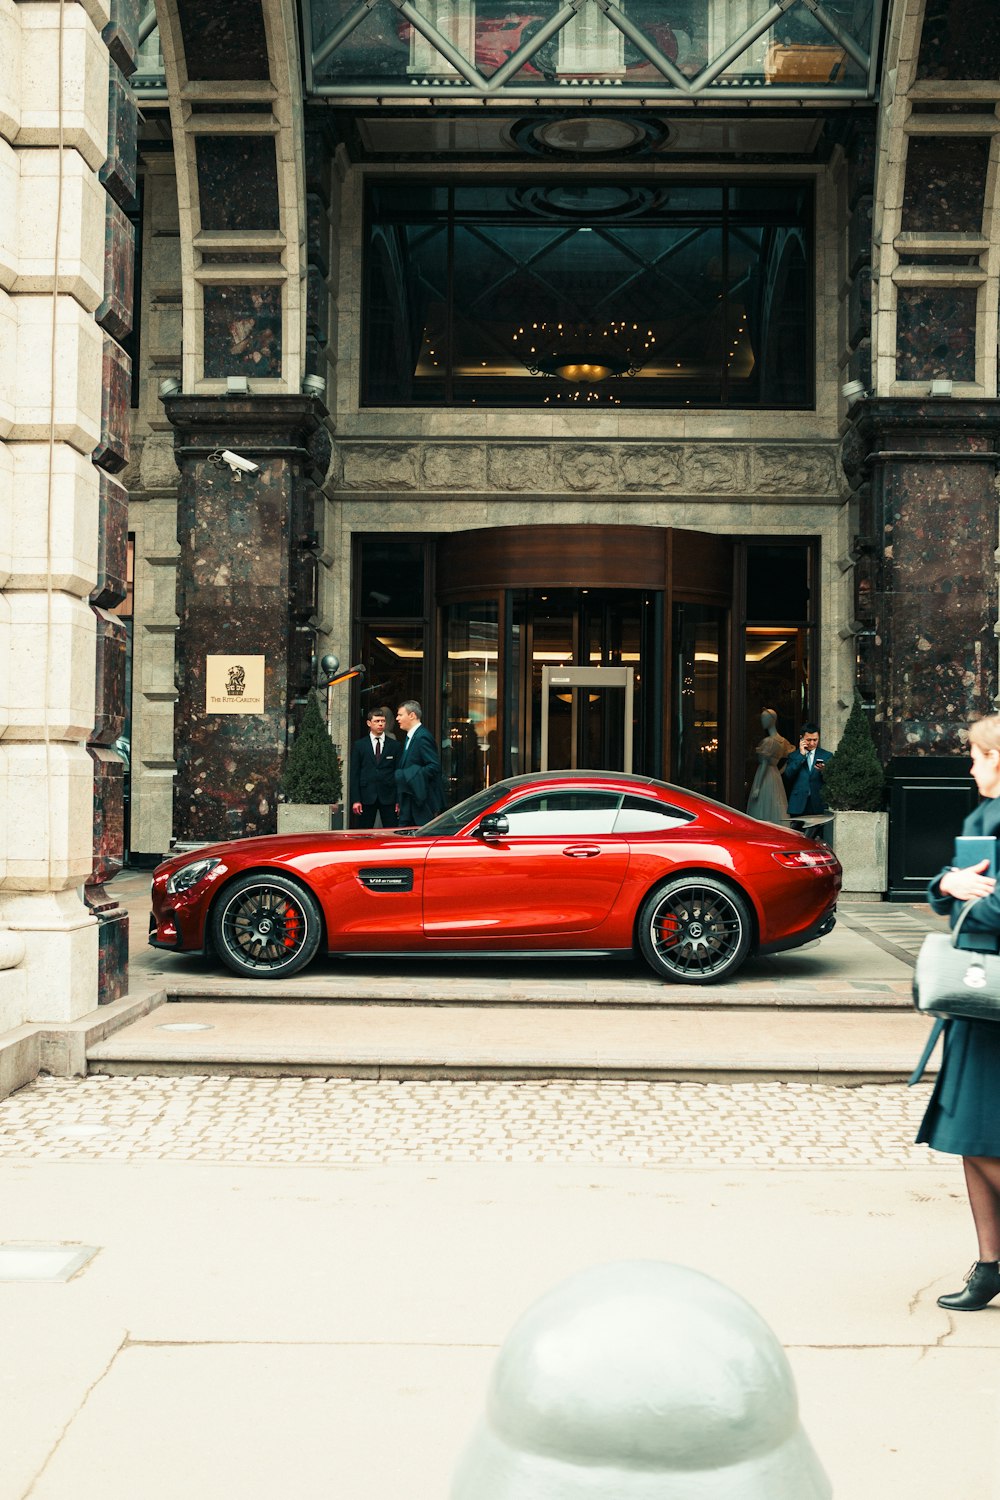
x=568 y=861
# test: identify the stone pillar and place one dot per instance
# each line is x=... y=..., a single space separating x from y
x=246 y=588
x=926 y=578
x=54 y=158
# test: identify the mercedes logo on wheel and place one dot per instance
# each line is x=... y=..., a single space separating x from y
x=695 y=929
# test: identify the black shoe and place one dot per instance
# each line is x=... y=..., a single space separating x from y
x=982 y=1286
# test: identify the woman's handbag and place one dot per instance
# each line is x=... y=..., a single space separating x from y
x=951 y=981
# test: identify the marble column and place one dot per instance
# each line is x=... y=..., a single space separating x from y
x=245 y=589
x=927 y=576
x=926 y=604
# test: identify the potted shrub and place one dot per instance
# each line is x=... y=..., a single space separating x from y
x=311 y=785
x=855 y=790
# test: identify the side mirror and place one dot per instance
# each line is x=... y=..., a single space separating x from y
x=493 y=826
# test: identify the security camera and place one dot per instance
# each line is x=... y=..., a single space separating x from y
x=238 y=464
x=380 y=599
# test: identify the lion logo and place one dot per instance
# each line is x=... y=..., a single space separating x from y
x=236 y=682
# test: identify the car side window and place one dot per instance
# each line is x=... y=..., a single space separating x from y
x=643 y=815
x=565 y=812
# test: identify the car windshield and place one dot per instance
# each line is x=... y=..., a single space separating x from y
x=454 y=819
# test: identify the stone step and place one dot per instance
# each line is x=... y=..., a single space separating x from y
x=377 y=1040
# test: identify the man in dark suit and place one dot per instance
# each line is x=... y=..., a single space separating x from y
x=803 y=774
x=373 y=773
x=419 y=788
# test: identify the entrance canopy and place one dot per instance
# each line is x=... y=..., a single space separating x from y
x=565 y=51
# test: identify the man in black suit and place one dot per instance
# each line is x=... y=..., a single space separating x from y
x=419 y=788
x=803 y=774
x=373 y=773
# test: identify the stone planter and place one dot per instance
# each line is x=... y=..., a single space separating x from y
x=309 y=817
x=861 y=840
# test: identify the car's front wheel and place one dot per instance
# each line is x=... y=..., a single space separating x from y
x=695 y=930
x=266 y=926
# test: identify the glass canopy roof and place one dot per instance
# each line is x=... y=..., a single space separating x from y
x=492 y=51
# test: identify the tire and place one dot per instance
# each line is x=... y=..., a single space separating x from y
x=694 y=930
x=266 y=926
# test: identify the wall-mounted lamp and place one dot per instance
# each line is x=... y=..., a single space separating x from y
x=237 y=385
x=942 y=387
x=330 y=670
x=853 y=392
x=313 y=385
x=169 y=387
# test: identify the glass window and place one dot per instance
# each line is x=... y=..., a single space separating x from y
x=643 y=815
x=574 y=813
x=392 y=581
x=470 y=746
x=597 y=293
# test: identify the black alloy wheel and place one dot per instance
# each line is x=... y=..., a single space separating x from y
x=266 y=926
x=695 y=930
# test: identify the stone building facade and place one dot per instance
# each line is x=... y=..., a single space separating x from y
x=246 y=177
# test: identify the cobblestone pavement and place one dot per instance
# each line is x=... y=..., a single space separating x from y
x=322 y=1121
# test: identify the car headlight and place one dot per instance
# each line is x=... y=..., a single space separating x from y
x=189 y=875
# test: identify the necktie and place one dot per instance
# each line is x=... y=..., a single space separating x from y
x=378 y=749
x=809 y=759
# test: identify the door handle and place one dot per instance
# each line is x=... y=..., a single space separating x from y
x=581 y=851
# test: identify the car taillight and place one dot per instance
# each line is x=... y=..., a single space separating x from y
x=806 y=859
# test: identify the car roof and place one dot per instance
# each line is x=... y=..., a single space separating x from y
x=618 y=778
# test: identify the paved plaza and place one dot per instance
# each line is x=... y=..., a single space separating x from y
x=296 y=1286
x=686 y=1126
x=299 y=1285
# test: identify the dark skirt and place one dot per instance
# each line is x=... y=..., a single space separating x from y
x=963 y=1115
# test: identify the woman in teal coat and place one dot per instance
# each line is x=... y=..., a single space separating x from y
x=963 y=1115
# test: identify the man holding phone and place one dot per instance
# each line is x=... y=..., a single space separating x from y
x=803 y=774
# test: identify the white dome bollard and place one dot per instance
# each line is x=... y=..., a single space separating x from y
x=641 y=1380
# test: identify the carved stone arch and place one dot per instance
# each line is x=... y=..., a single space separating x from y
x=936 y=252
x=234 y=83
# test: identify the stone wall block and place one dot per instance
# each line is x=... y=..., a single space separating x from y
x=115 y=311
x=8 y=363
x=6 y=513
x=118 y=172
x=519 y=466
x=60 y=960
x=111 y=453
x=778 y=469
x=66 y=712
x=652 y=467
x=54 y=796
x=10 y=178
x=121 y=34
x=78 y=373
x=112 y=544
x=109 y=814
x=81 y=235
x=587 y=466
x=379 y=466
x=85 y=82
x=72 y=563
x=453 y=466
x=157 y=465
x=10 y=69
x=109 y=692
x=709 y=469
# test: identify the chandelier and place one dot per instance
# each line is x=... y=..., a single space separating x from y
x=583 y=353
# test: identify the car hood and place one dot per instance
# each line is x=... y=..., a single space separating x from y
x=283 y=846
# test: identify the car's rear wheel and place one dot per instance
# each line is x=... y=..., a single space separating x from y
x=695 y=930
x=266 y=926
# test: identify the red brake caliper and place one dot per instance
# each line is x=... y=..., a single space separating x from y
x=292 y=926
